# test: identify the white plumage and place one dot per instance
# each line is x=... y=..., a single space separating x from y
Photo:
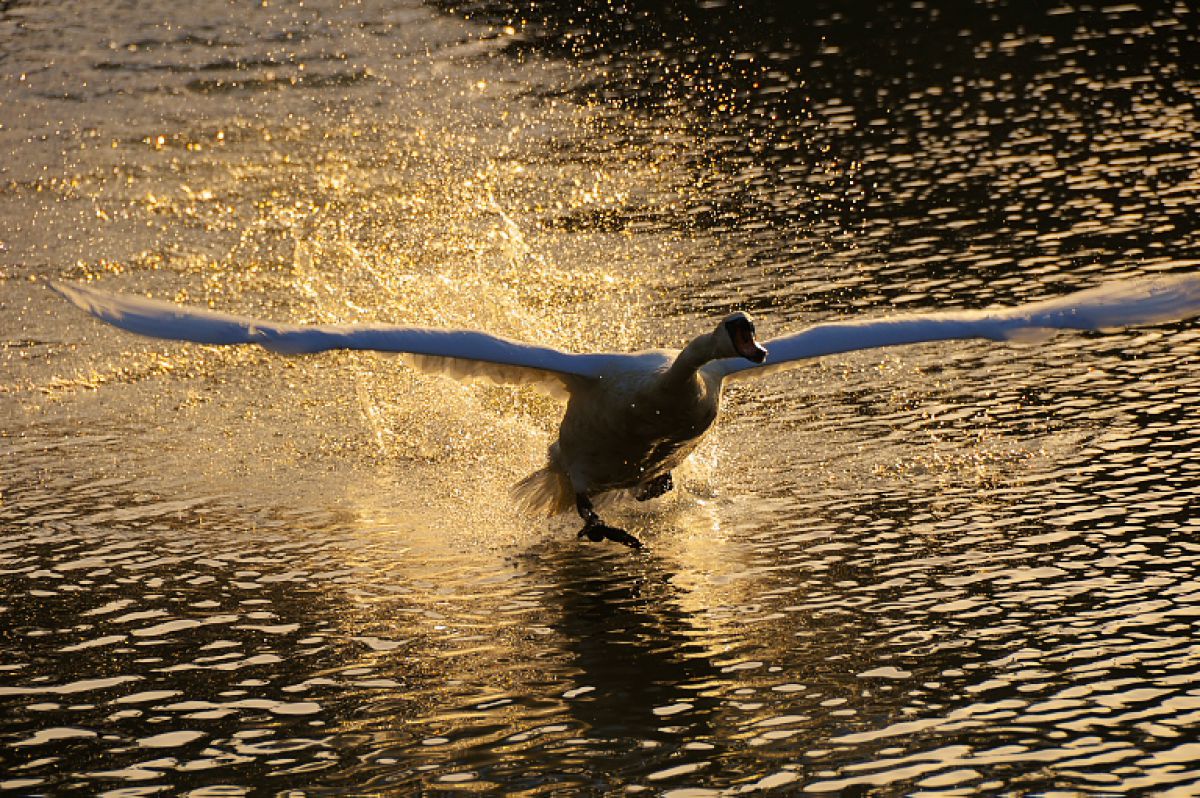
x=632 y=418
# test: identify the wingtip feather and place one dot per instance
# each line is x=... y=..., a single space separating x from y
x=1130 y=303
x=72 y=293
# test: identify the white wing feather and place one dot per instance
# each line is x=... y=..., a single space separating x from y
x=461 y=354
x=1123 y=304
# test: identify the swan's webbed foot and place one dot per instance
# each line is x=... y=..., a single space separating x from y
x=596 y=530
x=599 y=532
x=654 y=488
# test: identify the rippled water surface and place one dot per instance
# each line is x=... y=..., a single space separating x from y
x=948 y=569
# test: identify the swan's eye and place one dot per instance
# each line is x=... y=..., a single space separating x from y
x=739 y=329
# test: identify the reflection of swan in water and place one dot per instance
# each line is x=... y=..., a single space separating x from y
x=632 y=418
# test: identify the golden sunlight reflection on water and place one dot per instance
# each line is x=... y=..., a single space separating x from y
x=956 y=568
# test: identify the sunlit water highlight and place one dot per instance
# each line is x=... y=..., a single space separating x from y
x=955 y=568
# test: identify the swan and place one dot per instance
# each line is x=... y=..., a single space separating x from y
x=632 y=418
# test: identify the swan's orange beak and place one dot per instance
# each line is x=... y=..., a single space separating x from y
x=745 y=343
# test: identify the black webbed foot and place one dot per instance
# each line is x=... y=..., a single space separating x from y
x=592 y=532
x=654 y=488
x=598 y=532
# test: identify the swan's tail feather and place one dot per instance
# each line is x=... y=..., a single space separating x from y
x=547 y=491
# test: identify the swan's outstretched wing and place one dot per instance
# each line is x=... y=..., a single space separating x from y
x=458 y=353
x=1124 y=304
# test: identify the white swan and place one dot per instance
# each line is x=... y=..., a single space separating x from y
x=632 y=418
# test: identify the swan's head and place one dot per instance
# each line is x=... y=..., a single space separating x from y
x=735 y=338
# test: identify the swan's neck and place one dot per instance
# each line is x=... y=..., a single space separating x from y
x=682 y=372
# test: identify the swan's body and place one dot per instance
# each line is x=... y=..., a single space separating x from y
x=631 y=419
x=631 y=427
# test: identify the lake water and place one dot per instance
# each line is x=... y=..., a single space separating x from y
x=947 y=569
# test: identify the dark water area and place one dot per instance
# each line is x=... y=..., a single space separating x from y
x=950 y=569
x=937 y=129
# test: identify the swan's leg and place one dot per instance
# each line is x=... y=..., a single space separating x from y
x=596 y=530
x=654 y=488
